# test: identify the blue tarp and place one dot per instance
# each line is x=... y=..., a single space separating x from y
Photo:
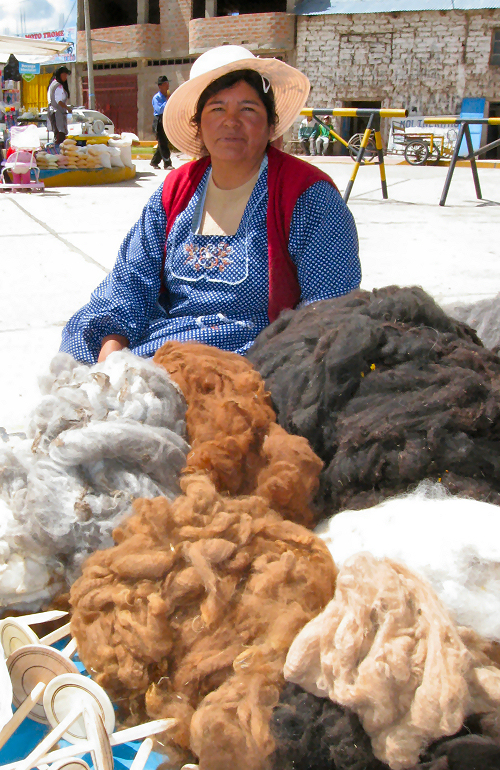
x=472 y=108
x=30 y=733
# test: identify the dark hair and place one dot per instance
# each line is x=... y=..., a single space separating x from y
x=57 y=76
x=253 y=79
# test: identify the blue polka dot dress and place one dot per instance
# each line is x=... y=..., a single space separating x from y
x=215 y=289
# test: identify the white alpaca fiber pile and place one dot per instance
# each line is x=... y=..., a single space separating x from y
x=483 y=316
x=100 y=437
x=452 y=542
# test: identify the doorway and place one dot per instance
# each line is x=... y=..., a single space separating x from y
x=350 y=126
x=116 y=97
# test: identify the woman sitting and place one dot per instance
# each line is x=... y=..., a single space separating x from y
x=229 y=240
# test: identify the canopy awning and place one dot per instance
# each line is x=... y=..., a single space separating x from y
x=26 y=46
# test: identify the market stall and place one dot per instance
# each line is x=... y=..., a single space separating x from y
x=93 y=155
x=87 y=160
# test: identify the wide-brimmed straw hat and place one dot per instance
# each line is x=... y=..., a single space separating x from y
x=290 y=87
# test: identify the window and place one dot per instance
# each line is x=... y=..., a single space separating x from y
x=495 y=47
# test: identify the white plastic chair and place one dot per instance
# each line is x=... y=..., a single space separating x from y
x=21 y=162
x=24 y=140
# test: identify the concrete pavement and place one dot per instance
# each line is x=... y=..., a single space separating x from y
x=56 y=247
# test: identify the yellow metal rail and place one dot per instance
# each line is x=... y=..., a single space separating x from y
x=374 y=116
x=354 y=112
x=455 y=121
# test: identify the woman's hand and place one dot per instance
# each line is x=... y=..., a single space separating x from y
x=111 y=343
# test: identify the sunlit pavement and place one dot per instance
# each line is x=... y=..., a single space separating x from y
x=57 y=246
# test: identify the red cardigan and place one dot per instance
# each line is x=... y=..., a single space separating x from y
x=287 y=178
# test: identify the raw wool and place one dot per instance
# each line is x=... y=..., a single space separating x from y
x=386 y=648
x=388 y=390
x=100 y=437
x=467 y=752
x=233 y=432
x=445 y=539
x=314 y=733
x=192 y=613
x=483 y=317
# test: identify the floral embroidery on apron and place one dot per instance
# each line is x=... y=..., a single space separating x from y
x=213 y=258
x=208 y=258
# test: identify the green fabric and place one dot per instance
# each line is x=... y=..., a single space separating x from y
x=307 y=131
x=323 y=131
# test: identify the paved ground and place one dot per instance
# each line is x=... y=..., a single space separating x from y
x=56 y=247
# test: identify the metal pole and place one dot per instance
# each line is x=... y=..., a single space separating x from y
x=359 y=159
x=90 y=61
x=472 y=161
x=451 y=168
x=380 y=153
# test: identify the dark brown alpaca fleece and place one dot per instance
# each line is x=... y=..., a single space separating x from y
x=389 y=390
x=313 y=733
x=192 y=613
x=464 y=751
x=233 y=432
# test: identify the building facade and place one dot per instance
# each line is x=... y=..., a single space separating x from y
x=165 y=39
x=426 y=61
x=422 y=55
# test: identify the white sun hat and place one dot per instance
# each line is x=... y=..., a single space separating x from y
x=290 y=87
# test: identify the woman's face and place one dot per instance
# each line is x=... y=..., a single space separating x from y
x=234 y=125
x=63 y=76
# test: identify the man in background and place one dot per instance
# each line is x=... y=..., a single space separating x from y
x=160 y=99
x=308 y=131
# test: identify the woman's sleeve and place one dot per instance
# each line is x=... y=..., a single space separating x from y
x=323 y=243
x=126 y=299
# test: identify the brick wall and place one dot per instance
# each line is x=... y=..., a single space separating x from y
x=131 y=42
x=260 y=32
x=429 y=60
x=175 y=16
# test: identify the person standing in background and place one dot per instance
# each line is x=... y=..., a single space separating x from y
x=162 y=151
x=57 y=97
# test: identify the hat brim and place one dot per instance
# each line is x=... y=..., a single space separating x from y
x=290 y=87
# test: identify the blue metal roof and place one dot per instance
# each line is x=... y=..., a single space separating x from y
x=316 y=7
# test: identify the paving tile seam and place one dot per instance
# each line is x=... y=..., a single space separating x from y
x=67 y=243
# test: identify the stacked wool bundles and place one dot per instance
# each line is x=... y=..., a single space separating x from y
x=101 y=437
x=386 y=648
x=100 y=154
x=69 y=149
x=45 y=160
x=86 y=160
x=483 y=316
x=389 y=391
x=449 y=541
x=191 y=616
x=94 y=155
x=233 y=432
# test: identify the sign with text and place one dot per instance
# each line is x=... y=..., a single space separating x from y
x=46 y=20
x=28 y=69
